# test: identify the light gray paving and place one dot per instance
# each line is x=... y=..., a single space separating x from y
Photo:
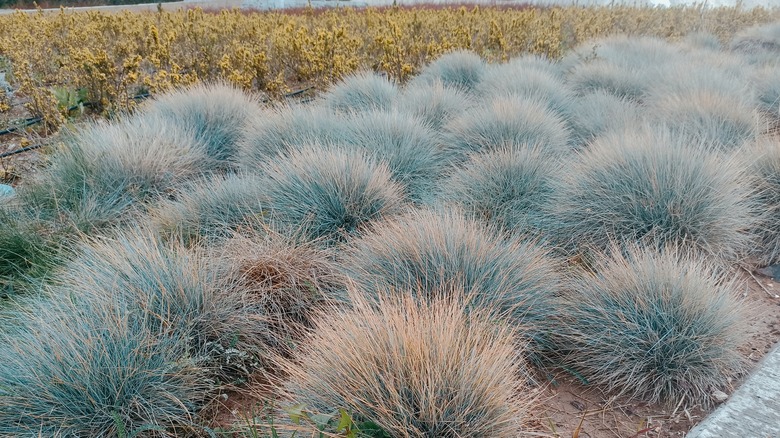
x=753 y=411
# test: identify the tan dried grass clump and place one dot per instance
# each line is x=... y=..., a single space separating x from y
x=416 y=369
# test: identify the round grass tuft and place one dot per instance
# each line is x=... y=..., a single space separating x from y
x=460 y=69
x=283 y=129
x=659 y=327
x=107 y=173
x=506 y=188
x=514 y=79
x=508 y=122
x=361 y=91
x=650 y=186
x=79 y=367
x=425 y=250
x=764 y=156
x=598 y=113
x=716 y=120
x=214 y=114
x=284 y=279
x=329 y=194
x=414 y=369
x=411 y=150
x=212 y=209
x=434 y=104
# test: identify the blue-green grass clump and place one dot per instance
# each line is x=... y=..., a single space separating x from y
x=430 y=369
x=108 y=173
x=84 y=367
x=538 y=63
x=424 y=250
x=764 y=156
x=718 y=121
x=600 y=112
x=329 y=194
x=600 y=76
x=508 y=122
x=212 y=209
x=514 y=79
x=508 y=189
x=650 y=186
x=175 y=290
x=29 y=249
x=624 y=66
x=283 y=129
x=760 y=45
x=434 y=104
x=767 y=84
x=703 y=41
x=215 y=114
x=460 y=69
x=411 y=149
x=361 y=91
x=654 y=326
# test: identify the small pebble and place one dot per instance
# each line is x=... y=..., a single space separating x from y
x=719 y=396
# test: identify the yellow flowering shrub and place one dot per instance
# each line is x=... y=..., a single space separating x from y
x=112 y=57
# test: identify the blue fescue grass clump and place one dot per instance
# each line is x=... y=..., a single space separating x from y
x=82 y=367
x=429 y=369
x=624 y=66
x=214 y=114
x=759 y=44
x=599 y=76
x=515 y=79
x=411 y=149
x=107 y=173
x=703 y=40
x=508 y=122
x=718 y=121
x=767 y=84
x=460 y=69
x=538 y=63
x=29 y=249
x=329 y=194
x=283 y=129
x=600 y=112
x=650 y=186
x=434 y=104
x=361 y=91
x=655 y=326
x=507 y=188
x=764 y=156
x=624 y=51
x=425 y=250
x=212 y=209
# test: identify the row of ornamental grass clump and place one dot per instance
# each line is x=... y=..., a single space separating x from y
x=411 y=255
x=105 y=61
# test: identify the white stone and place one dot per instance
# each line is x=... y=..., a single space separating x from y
x=719 y=396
